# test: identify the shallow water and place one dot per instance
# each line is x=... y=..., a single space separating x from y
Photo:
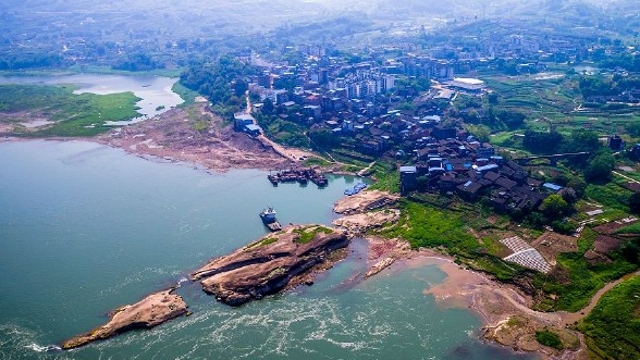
x=85 y=228
x=154 y=91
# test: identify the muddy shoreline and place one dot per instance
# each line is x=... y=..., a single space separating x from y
x=503 y=310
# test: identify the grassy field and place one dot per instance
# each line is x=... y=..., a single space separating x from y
x=612 y=329
x=387 y=177
x=425 y=224
x=613 y=194
x=74 y=115
x=185 y=93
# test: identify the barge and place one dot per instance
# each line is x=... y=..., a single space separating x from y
x=302 y=176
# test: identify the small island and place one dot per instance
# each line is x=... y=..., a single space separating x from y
x=151 y=311
x=272 y=263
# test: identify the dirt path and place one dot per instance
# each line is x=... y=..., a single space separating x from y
x=367 y=169
x=570 y=318
x=625 y=177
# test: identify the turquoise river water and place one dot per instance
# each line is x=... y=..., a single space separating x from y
x=85 y=228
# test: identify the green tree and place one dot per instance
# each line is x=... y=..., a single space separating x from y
x=511 y=119
x=542 y=142
x=322 y=137
x=600 y=167
x=582 y=140
x=549 y=338
x=267 y=106
x=554 y=206
x=493 y=98
x=577 y=184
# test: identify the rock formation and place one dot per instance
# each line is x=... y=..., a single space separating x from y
x=147 y=313
x=269 y=264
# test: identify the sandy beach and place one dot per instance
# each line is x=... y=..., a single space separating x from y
x=503 y=310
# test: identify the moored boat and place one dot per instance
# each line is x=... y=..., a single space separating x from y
x=268 y=217
x=356 y=189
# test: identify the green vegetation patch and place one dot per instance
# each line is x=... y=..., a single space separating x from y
x=283 y=131
x=631 y=229
x=261 y=243
x=305 y=235
x=549 y=338
x=575 y=281
x=612 y=329
x=387 y=177
x=188 y=95
x=612 y=194
x=424 y=226
x=74 y=114
x=314 y=161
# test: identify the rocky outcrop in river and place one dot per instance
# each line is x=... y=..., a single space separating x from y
x=270 y=264
x=153 y=310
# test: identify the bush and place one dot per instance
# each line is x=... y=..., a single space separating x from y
x=550 y=339
x=564 y=227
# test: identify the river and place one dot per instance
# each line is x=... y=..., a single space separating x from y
x=154 y=91
x=85 y=228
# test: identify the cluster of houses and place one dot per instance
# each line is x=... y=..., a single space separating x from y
x=471 y=170
x=631 y=96
x=355 y=101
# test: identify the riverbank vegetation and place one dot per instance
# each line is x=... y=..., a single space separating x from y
x=71 y=114
x=549 y=338
x=189 y=96
x=612 y=329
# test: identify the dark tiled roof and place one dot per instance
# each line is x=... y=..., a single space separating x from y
x=534 y=182
x=505 y=183
x=470 y=187
x=491 y=176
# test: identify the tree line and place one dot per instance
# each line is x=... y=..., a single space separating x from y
x=221 y=81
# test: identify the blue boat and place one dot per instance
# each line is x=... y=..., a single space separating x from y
x=268 y=217
x=356 y=189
